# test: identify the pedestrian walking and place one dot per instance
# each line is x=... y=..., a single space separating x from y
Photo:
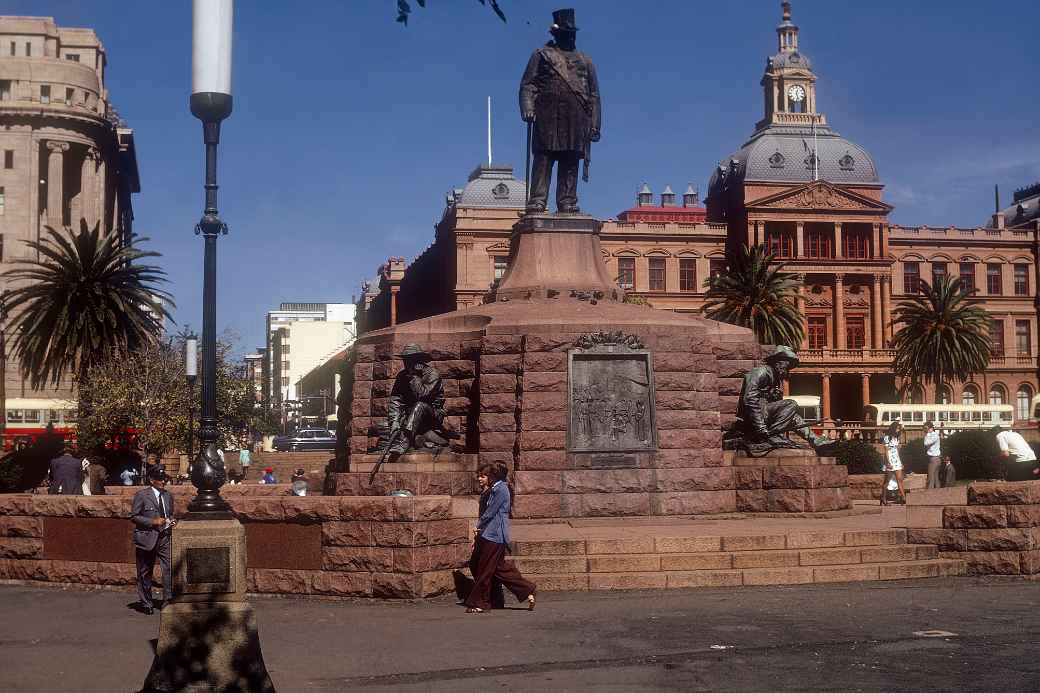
x=893 y=464
x=1019 y=460
x=492 y=539
x=245 y=459
x=932 y=448
x=153 y=515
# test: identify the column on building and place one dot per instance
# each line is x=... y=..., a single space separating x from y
x=839 y=311
x=799 y=239
x=55 y=177
x=875 y=244
x=1010 y=343
x=838 y=249
x=642 y=273
x=825 y=396
x=671 y=273
x=801 y=310
x=866 y=389
x=886 y=308
x=101 y=191
x=877 y=328
x=88 y=189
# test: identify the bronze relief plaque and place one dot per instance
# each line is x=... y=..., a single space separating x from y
x=610 y=398
x=209 y=565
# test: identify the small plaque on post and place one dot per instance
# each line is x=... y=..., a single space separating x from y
x=611 y=398
x=207 y=566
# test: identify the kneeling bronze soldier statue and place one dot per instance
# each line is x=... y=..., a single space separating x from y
x=764 y=417
x=415 y=420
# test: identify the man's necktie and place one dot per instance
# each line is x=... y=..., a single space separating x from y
x=162 y=506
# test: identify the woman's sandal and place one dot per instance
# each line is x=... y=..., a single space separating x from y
x=474 y=610
x=530 y=602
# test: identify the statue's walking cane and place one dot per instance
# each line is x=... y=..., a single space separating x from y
x=527 y=166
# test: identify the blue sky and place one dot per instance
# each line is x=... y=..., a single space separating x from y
x=349 y=129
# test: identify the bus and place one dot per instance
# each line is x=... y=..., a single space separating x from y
x=808 y=407
x=27 y=419
x=949 y=417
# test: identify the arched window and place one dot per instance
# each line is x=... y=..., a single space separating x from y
x=1023 y=401
x=970 y=394
x=997 y=394
x=915 y=395
x=944 y=396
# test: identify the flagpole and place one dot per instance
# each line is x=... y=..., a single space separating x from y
x=489 y=129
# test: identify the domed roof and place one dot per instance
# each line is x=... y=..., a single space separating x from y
x=791 y=59
x=1025 y=207
x=784 y=155
x=492 y=186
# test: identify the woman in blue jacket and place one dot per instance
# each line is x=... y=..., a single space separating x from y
x=492 y=538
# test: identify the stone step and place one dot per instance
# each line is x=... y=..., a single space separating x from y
x=711 y=543
x=676 y=579
x=720 y=560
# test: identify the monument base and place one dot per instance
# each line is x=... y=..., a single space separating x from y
x=208 y=639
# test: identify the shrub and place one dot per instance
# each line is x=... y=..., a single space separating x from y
x=859 y=456
x=975 y=454
x=25 y=469
x=913 y=457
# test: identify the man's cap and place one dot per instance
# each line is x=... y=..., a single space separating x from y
x=783 y=353
x=411 y=350
x=563 y=20
x=268 y=470
x=299 y=472
x=157 y=471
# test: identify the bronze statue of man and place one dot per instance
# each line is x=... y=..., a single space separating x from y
x=764 y=416
x=559 y=94
x=415 y=417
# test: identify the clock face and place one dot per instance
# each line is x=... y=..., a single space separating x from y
x=796 y=93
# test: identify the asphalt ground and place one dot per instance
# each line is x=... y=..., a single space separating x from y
x=844 y=637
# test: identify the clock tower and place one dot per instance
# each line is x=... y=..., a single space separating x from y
x=789 y=85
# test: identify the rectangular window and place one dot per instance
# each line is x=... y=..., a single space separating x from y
x=28 y=49
x=1021 y=280
x=45 y=93
x=938 y=271
x=14 y=416
x=5 y=90
x=627 y=273
x=1 y=247
x=967 y=275
x=74 y=57
x=285 y=381
x=687 y=274
x=8 y=158
x=500 y=263
x=911 y=277
x=996 y=336
x=857 y=245
x=3 y=201
x=855 y=335
x=716 y=266
x=780 y=244
x=994 y=279
x=285 y=365
x=1023 y=340
x=14 y=49
x=69 y=95
x=817 y=333
x=285 y=348
x=818 y=244
x=657 y=281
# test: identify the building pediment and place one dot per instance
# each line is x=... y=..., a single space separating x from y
x=819 y=195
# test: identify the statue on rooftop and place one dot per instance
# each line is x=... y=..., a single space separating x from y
x=559 y=97
x=764 y=417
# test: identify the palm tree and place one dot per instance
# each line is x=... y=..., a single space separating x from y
x=83 y=300
x=754 y=292
x=944 y=334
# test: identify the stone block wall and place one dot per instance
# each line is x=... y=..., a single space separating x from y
x=384 y=547
x=993 y=526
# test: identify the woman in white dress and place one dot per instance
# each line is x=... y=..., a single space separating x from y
x=893 y=464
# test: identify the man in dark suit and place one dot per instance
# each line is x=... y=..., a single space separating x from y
x=67 y=474
x=152 y=513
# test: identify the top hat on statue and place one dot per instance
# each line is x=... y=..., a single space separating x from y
x=563 y=20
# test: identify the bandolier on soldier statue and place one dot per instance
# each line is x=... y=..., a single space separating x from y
x=559 y=94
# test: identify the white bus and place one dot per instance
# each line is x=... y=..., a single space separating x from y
x=808 y=407
x=28 y=418
x=949 y=417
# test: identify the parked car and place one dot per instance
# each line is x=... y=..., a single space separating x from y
x=306 y=439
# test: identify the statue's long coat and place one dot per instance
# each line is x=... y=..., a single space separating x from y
x=562 y=90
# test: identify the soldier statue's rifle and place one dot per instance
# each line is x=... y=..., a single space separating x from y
x=389 y=446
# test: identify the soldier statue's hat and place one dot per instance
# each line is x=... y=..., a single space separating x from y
x=783 y=353
x=563 y=20
x=412 y=351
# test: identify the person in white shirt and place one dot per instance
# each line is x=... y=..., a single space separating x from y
x=1019 y=459
x=893 y=463
x=932 y=449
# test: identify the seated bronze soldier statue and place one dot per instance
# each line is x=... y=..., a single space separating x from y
x=764 y=417
x=415 y=418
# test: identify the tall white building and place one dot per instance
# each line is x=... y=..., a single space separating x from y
x=300 y=336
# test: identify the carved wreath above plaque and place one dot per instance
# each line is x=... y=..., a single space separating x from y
x=611 y=395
